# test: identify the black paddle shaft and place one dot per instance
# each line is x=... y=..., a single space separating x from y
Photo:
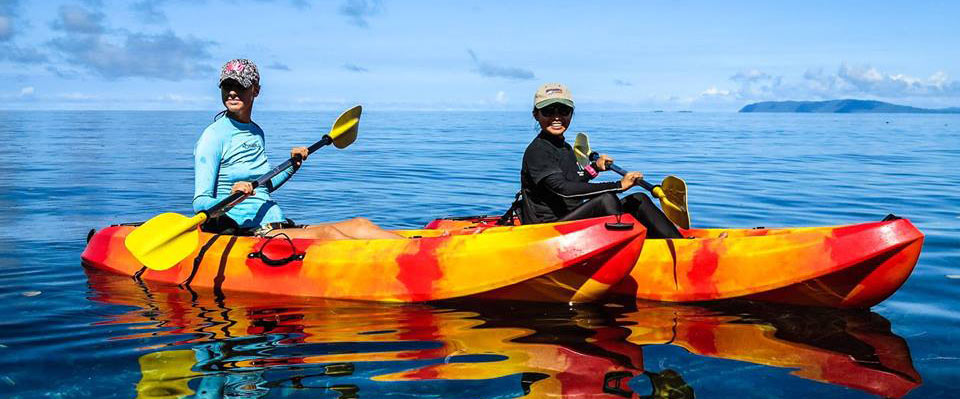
x=223 y=206
x=643 y=183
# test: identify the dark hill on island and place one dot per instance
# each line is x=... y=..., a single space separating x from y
x=842 y=107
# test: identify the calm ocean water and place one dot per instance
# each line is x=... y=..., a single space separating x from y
x=69 y=334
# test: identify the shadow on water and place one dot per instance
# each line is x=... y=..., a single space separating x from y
x=202 y=346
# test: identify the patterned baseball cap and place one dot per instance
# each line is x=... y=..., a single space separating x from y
x=242 y=70
x=552 y=93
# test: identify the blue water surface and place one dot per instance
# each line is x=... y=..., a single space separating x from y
x=67 y=333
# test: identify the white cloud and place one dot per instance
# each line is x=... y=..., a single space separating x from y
x=181 y=99
x=76 y=19
x=27 y=91
x=75 y=96
x=501 y=97
x=752 y=75
x=491 y=70
x=714 y=91
x=869 y=80
x=87 y=42
x=358 y=11
x=847 y=81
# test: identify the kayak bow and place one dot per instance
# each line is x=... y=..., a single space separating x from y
x=854 y=266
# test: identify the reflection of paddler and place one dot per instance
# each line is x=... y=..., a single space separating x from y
x=582 y=349
x=412 y=345
x=415 y=344
x=668 y=384
x=165 y=374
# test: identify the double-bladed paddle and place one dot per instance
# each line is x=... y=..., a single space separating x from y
x=168 y=238
x=672 y=192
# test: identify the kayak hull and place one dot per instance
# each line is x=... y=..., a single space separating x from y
x=853 y=266
x=570 y=262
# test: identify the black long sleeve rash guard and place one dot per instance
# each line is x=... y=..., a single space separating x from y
x=553 y=181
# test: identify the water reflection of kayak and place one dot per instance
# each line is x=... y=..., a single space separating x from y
x=404 y=350
x=854 y=349
x=295 y=346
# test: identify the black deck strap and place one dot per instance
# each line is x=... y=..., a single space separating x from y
x=507 y=218
x=673 y=255
x=890 y=217
x=218 y=281
x=198 y=259
x=136 y=276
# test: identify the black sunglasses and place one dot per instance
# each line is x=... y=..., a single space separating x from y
x=231 y=84
x=554 y=111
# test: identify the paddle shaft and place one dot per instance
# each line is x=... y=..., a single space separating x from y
x=655 y=190
x=643 y=183
x=622 y=172
x=235 y=198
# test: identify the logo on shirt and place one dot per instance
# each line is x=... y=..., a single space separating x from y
x=250 y=145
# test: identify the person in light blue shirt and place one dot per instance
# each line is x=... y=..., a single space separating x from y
x=232 y=151
x=230 y=154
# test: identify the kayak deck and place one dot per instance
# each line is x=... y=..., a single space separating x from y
x=572 y=261
x=853 y=266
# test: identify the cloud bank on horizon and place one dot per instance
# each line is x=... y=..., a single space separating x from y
x=165 y=54
x=847 y=81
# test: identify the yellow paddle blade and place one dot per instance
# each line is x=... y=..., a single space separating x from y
x=581 y=149
x=166 y=239
x=344 y=131
x=676 y=191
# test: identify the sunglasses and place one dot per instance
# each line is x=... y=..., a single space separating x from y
x=231 y=84
x=554 y=111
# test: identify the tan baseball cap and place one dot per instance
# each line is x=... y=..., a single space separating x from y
x=552 y=93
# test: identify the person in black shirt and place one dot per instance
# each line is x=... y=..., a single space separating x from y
x=555 y=188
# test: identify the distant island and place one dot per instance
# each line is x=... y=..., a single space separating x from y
x=842 y=107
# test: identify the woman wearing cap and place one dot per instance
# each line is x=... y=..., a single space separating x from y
x=556 y=188
x=230 y=154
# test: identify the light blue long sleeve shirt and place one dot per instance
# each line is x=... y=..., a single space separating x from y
x=230 y=151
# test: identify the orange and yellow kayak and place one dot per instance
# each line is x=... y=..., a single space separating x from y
x=572 y=261
x=853 y=266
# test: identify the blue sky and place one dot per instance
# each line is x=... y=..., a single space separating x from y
x=437 y=55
